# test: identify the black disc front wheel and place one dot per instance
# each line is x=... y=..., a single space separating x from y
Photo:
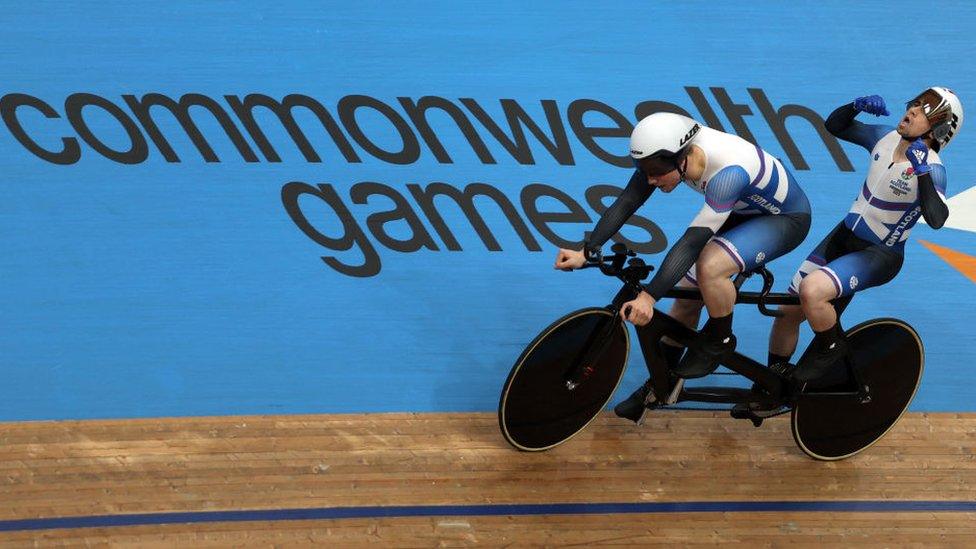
x=563 y=379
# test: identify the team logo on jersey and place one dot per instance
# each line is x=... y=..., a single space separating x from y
x=905 y=224
x=760 y=256
x=908 y=173
x=765 y=204
x=899 y=187
x=636 y=153
x=876 y=155
x=853 y=282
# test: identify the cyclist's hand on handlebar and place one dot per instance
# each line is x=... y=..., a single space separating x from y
x=640 y=310
x=567 y=260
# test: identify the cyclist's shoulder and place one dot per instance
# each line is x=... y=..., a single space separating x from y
x=727 y=182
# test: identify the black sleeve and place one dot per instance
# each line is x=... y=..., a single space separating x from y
x=934 y=210
x=680 y=258
x=633 y=196
x=840 y=120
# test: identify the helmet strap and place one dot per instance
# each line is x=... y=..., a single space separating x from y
x=681 y=166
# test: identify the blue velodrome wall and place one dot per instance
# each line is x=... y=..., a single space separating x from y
x=169 y=246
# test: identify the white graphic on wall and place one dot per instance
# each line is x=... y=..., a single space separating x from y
x=962 y=211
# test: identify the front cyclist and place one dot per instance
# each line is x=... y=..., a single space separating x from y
x=905 y=180
x=754 y=212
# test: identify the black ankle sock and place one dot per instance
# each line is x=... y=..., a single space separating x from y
x=719 y=326
x=672 y=354
x=773 y=358
x=828 y=337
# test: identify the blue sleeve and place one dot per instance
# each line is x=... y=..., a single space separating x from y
x=938 y=173
x=865 y=135
x=725 y=188
x=841 y=124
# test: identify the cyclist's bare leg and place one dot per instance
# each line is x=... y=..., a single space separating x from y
x=828 y=345
x=685 y=311
x=715 y=268
x=786 y=330
x=816 y=291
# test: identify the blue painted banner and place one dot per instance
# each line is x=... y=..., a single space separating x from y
x=234 y=208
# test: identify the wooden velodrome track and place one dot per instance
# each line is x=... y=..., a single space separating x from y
x=449 y=479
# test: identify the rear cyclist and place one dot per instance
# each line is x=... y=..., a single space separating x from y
x=906 y=180
x=754 y=212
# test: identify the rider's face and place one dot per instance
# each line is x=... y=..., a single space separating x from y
x=914 y=122
x=660 y=172
x=666 y=182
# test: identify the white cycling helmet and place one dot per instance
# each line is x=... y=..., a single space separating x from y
x=943 y=110
x=660 y=141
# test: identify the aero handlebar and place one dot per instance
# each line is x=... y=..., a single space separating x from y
x=636 y=270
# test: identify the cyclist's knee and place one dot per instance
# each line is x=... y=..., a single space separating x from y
x=817 y=288
x=715 y=262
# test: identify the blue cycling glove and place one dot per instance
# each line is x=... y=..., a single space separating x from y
x=871 y=104
x=918 y=155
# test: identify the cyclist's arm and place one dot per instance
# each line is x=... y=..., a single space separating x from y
x=931 y=190
x=720 y=197
x=841 y=124
x=637 y=191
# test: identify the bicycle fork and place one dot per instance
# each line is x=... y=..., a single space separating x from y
x=596 y=343
x=581 y=368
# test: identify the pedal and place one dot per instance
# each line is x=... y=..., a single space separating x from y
x=739 y=413
x=650 y=402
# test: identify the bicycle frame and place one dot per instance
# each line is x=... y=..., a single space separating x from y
x=777 y=389
x=567 y=375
